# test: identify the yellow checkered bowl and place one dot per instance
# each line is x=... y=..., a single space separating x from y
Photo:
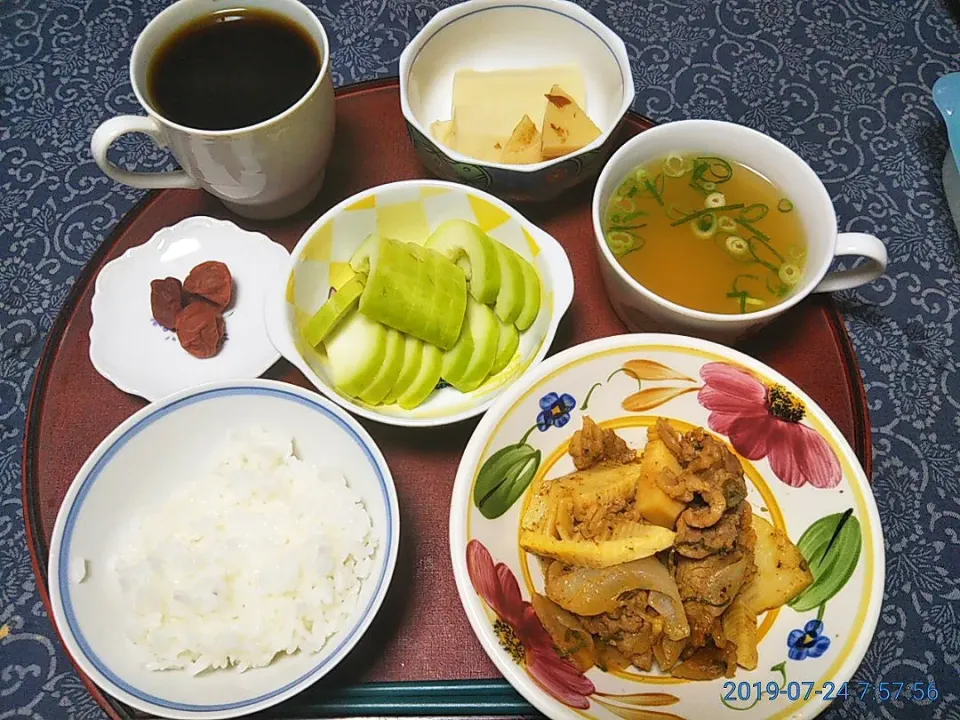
x=409 y=211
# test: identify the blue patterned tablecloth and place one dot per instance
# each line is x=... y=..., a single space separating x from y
x=845 y=83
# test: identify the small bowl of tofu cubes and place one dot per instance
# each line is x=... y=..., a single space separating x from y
x=418 y=302
x=520 y=98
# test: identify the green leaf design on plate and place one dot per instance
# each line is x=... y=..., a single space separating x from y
x=504 y=477
x=831 y=547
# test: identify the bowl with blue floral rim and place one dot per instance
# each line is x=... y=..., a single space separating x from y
x=507 y=35
x=160 y=451
x=803 y=483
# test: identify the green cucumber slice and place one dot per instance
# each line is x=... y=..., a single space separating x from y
x=355 y=352
x=362 y=257
x=510 y=299
x=475 y=252
x=457 y=359
x=386 y=378
x=412 y=290
x=485 y=331
x=507 y=344
x=337 y=307
x=449 y=293
x=412 y=352
x=422 y=386
x=531 y=295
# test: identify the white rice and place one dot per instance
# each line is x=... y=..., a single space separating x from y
x=265 y=554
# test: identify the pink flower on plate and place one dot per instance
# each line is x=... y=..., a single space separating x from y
x=520 y=631
x=764 y=421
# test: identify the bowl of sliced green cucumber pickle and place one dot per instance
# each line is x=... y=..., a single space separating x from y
x=416 y=303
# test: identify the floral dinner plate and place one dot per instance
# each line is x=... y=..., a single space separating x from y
x=801 y=476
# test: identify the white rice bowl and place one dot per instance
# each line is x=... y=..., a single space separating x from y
x=223 y=549
x=264 y=554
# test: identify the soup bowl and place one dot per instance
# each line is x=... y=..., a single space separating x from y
x=642 y=309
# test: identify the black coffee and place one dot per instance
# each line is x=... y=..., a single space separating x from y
x=232 y=69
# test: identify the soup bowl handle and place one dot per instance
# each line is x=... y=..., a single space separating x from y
x=866 y=246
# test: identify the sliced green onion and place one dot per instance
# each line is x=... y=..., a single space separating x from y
x=780 y=290
x=623 y=203
x=639 y=175
x=737 y=246
x=675 y=212
x=675 y=166
x=784 y=205
x=714 y=200
x=655 y=188
x=726 y=224
x=795 y=252
x=754 y=212
x=705 y=225
x=717 y=170
x=760 y=238
x=708 y=186
x=623 y=218
x=698 y=213
x=621 y=243
x=619 y=240
x=742 y=297
x=789 y=274
x=745 y=299
x=755 y=242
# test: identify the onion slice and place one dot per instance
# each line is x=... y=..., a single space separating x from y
x=592 y=591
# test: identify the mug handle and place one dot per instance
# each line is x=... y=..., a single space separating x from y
x=861 y=244
x=108 y=132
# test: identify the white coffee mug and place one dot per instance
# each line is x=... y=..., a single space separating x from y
x=643 y=310
x=262 y=171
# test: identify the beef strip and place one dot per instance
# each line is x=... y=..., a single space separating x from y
x=698 y=543
x=712 y=478
x=714 y=580
x=708 y=663
x=591 y=444
x=707 y=587
x=629 y=629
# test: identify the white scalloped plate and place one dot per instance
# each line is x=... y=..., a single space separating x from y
x=139 y=356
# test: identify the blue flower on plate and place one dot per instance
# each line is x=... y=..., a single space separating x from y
x=809 y=642
x=555 y=410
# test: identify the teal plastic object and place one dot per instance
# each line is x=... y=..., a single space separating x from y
x=437 y=698
x=946 y=95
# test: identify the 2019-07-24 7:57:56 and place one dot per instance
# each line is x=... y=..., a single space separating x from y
x=883 y=691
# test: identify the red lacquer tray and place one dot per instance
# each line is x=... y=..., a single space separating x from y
x=420 y=656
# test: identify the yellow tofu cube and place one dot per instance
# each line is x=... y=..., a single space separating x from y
x=478 y=132
x=516 y=92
